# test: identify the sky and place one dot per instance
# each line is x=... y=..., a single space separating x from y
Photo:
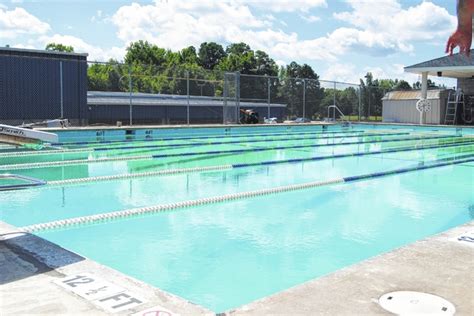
x=341 y=39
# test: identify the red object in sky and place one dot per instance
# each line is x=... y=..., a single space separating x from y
x=462 y=37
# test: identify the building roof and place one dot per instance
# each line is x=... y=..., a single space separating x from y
x=40 y=53
x=455 y=66
x=149 y=99
x=413 y=94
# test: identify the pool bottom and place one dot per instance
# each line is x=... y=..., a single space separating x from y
x=230 y=254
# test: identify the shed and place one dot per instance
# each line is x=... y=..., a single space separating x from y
x=400 y=106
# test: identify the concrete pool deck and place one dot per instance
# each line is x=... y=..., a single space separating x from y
x=30 y=268
x=441 y=265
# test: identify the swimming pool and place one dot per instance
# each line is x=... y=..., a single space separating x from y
x=224 y=216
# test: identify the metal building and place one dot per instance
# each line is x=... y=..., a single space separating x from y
x=36 y=85
x=400 y=106
x=146 y=108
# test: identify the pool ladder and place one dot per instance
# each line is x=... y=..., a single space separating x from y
x=30 y=182
x=345 y=122
x=455 y=98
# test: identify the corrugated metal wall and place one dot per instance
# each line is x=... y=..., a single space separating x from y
x=30 y=85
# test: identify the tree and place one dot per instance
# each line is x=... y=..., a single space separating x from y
x=431 y=85
x=296 y=92
x=237 y=49
x=402 y=85
x=210 y=54
x=144 y=53
x=57 y=47
x=264 y=64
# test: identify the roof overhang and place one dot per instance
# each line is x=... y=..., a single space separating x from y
x=447 y=71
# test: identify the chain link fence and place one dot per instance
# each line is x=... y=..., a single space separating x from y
x=123 y=94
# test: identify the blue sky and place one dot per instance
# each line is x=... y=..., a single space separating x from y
x=341 y=40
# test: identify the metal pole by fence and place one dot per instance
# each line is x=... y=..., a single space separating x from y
x=368 y=109
x=187 y=93
x=237 y=95
x=268 y=97
x=130 y=101
x=61 y=86
x=334 y=101
x=304 y=98
x=360 y=102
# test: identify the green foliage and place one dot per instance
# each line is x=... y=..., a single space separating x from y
x=157 y=70
x=57 y=47
x=210 y=55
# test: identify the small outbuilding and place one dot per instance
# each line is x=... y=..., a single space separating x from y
x=457 y=66
x=400 y=106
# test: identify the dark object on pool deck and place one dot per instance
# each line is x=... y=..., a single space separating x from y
x=248 y=117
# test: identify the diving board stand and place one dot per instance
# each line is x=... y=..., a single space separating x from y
x=24 y=136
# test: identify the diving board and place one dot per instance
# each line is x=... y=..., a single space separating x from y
x=23 y=136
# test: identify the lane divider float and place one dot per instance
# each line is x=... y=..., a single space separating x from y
x=106 y=217
x=187 y=154
x=245 y=165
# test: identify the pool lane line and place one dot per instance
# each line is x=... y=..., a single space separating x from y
x=171 y=146
x=245 y=165
x=240 y=141
x=206 y=137
x=92 y=149
x=106 y=217
x=187 y=154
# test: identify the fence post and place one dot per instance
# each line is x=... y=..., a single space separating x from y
x=304 y=98
x=237 y=95
x=226 y=92
x=268 y=96
x=130 y=96
x=370 y=97
x=360 y=101
x=187 y=93
x=334 y=101
x=61 y=88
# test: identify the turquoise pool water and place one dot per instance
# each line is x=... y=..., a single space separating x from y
x=228 y=254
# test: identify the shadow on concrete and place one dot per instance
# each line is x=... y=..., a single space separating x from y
x=23 y=255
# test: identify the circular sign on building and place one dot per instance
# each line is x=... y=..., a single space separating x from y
x=423 y=105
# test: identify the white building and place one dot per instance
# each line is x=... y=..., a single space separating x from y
x=400 y=106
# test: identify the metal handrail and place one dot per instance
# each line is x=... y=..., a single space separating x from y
x=32 y=182
x=333 y=106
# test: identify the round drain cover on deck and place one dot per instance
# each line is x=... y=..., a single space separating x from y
x=413 y=303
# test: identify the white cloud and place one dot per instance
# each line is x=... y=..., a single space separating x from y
x=18 y=21
x=80 y=46
x=347 y=72
x=378 y=29
x=285 y=5
x=387 y=28
x=176 y=24
x=310 y=18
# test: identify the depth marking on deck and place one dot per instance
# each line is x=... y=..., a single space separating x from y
x=99 y=292
x=467 y=238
